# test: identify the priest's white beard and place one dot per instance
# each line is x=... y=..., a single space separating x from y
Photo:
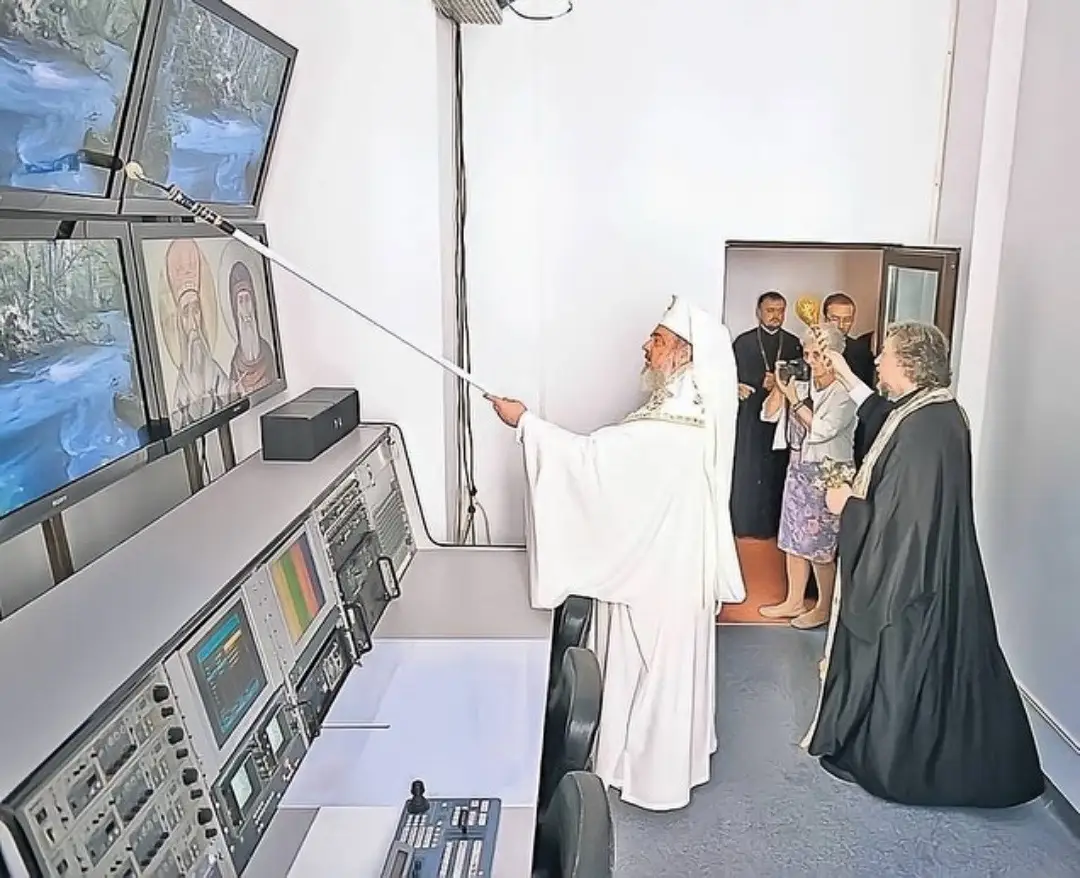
x=654 y=380
x=249 y=339
x=199 y=366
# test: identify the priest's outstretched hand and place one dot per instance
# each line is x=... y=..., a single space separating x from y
x=508 y=410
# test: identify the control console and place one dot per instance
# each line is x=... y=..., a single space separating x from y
x=319 y=674
x=126 y=799
x=368 y=540
x=443 y=838
x=253 y=779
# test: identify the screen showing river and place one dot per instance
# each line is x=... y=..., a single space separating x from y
x=65 y=74
x=213 y=99
x=70 y=397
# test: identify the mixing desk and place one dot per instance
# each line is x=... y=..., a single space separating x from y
x=443 y=838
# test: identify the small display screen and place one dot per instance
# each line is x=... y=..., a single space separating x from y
x=241 y=787
x=274 y=736
x=299 y=591
x=228 y=672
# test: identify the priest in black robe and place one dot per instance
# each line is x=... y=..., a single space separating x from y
x=918 y=705
x=757 y=487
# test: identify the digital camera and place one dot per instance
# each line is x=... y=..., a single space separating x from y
x=798 y=370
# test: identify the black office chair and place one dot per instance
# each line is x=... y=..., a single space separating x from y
x=573 y=715
x=576 y=837
x=571 y=627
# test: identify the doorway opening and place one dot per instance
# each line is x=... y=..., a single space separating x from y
x=888 y=284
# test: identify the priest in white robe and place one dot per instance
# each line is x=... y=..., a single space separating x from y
x=636 y=516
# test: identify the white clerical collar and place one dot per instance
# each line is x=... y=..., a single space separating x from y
x=766 y=329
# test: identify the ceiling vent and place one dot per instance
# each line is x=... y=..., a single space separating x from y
x=472 y=11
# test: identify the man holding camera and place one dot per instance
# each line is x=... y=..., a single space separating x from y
x=758 y=481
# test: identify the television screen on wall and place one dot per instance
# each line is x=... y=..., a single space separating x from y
x=211 y=107
x=215 y=348
x=70 y=72
x=74 y=413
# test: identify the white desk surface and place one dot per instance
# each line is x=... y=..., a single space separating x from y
x=465 y=592
x=411 y=683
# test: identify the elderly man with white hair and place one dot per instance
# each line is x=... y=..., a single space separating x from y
x=636 y=516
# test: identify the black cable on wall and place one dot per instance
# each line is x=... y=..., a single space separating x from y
x=468 y=506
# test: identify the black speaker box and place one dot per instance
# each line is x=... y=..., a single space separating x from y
x=305 y=427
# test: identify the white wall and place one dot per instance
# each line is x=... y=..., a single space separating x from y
x=353 y=197
x=1027 y=490
x=796 y=273
x=614 y=151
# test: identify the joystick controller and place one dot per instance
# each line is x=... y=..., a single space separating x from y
x=417 y=804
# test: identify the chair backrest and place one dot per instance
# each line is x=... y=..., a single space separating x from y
x=571 y=626
x=576 y=836
x=573 y=715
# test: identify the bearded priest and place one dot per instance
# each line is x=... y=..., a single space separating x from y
x=636 y=516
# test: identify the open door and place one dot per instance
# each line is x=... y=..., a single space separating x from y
x=918 y=284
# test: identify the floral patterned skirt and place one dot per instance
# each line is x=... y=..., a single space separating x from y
x=807 y=528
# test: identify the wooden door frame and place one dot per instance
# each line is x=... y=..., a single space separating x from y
x=944 y=261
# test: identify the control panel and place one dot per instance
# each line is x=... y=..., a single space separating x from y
x=253 y=780
x=443 y=838
x=129 y=801
x=317 y=679
x=368 y=540
x=382 y=492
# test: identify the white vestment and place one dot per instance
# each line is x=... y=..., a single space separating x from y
x=636 y=516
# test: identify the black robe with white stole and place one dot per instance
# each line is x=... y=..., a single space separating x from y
x=918 y=705
x=757 y=487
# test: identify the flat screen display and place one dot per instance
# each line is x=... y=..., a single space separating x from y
x=228 y=672
x=241 y=786
x=66 y=69
x=71 y=397
x=214 y=97
x=299 y=591
x=213 y=325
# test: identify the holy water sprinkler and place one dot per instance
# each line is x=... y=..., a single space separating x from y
x=134 y=171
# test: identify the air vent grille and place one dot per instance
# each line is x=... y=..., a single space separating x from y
x=472 y=11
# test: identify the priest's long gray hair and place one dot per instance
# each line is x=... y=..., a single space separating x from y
x=923 y=353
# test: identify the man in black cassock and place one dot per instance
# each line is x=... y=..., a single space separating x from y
x=757 y=486
x=918 y=705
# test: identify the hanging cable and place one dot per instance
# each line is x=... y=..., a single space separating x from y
x=527 y=17
x=467 y=505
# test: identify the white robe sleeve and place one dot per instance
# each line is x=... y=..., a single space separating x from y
x=617 y=515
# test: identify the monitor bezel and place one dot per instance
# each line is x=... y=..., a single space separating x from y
x=156 y=231
x=54 y=503
x=289 y=652
x=186 y=687
x=14 y=199
x=132 y=204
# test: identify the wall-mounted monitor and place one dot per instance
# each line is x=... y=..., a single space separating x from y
x=74 y=415
x=215 y=347
x=70 y=75
x=210 y=110
x=224 y=676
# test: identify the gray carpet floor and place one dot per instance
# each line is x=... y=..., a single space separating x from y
x=771 y=812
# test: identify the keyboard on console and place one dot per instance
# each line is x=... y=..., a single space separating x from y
x=443 y=838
